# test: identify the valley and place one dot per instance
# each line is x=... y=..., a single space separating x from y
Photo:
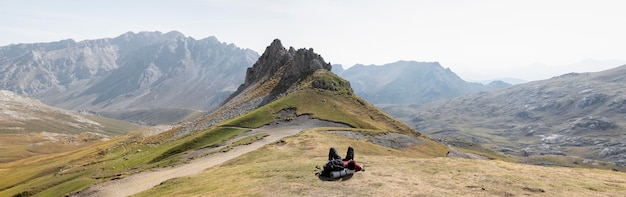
x=267 y=135
x=565 y=121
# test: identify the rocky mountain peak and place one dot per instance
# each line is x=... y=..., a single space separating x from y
x=144 y=70
x=276 y=73
x=286 y=65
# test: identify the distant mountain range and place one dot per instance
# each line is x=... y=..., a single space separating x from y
x=146 y=76
x=576 y=114
x=146 y=70
x=410 y=82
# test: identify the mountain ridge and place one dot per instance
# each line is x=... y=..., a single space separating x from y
x=145 y=70
x=410 y=82
x=378 y=140
x=575 y=114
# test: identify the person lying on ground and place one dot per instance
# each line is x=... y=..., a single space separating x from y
x=337 y=167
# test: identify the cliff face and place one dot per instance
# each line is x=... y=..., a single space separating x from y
x=277 y=72
x=145 y=70
x=280 y=68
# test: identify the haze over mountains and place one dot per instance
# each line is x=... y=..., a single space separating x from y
x=410 y=82
x=154 y=78
x=146 y=70
x=577 y=114
x=161 y=78
x=290 y=108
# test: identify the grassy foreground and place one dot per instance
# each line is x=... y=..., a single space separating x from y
x=287 y=169
x=59 y=174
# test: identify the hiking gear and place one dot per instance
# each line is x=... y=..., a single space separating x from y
x=338 y=167
x=331 y=166
x=342 y=173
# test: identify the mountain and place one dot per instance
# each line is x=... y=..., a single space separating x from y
x=297 y=109
x=29 y=127
x=586 y=65
x=301 y=77
x=512 y=81
x=285 y=92
x=146 y=70
x=576 y=114
x=410 y=82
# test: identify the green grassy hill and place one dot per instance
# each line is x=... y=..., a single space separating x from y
x=72 y=171
x=29 y=128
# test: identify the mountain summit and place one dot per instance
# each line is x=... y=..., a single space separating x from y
x=277 y=73
x=145 y=70
x=296 y=81
x=410 y=82
x=281 y=68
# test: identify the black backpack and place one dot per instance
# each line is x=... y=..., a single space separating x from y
x=332 y=165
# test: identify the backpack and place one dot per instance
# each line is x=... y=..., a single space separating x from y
x=332 y=165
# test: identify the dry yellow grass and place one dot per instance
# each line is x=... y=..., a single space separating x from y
x=287 y=169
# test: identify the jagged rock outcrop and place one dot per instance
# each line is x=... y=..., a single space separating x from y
x=276 y=73
x=410 y=82
x=145 y=70
x=287 y=66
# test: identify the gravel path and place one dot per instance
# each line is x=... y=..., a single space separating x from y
x=142 y=181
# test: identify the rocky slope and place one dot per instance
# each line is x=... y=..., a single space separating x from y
x=410 y=82
x=285 y=92
x=577 y=114
x=146 y=70
x=276 y=73
x=29 y=127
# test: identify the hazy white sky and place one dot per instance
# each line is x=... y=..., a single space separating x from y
x=477 y=39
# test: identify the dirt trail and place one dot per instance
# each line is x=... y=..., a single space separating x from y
x=142 y=181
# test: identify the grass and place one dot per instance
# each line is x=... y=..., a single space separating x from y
x=39 y=173
x=250 y=139
x=478 y=149
x=58 y=174
x=571 y=162
x=54 y=175
x=29 y=140
x=211 y=137
x=287 y=169
x=323 y=105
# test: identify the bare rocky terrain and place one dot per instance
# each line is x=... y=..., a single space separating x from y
x=577 y=114
x=144 y=71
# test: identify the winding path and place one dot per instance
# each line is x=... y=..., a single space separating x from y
x=142 y=181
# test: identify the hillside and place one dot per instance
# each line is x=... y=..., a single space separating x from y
x=145 y=70
x=577 y=114
x=410 y=82
x=285 y=87
x=300 y=109
x=29 y=127
x=286 y=169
